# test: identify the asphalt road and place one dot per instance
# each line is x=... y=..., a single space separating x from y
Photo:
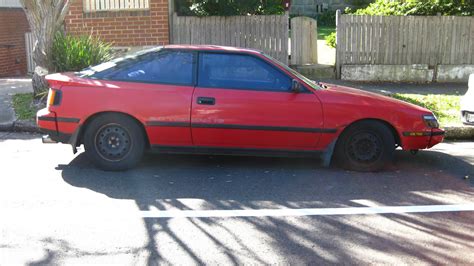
x=55 y=208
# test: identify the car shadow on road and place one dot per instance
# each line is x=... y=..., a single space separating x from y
x=164 y=182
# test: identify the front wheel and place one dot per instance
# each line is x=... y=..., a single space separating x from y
x=114 y=142
x=365 y=146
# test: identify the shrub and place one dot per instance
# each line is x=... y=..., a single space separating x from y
x=417 y=8
x=73 y=53
x=327 y=18
x=331 y=40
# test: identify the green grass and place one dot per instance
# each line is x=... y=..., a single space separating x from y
x=324 y=31
x=445 y=107
x=23 y=105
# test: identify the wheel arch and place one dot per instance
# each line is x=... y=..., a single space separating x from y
x=89 y=119
x=395 y=133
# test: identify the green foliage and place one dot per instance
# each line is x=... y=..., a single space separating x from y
x=228 y=7
x=23 y=105
x=445 y=107
x=327 y=18
x=331 y=40
x=324 y=31
x=417 y=8
x=73 y=53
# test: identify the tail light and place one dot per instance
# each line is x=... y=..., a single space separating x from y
x=54 y=97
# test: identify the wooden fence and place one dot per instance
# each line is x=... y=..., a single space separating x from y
x=29 y=44
x=266 y=33
x=10 y=3
x=114 y=5
x=304 y=41
x=401 y=40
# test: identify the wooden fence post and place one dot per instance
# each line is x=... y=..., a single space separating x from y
x=339 y=49
x=304 y=41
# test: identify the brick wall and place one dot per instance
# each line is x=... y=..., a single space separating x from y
x=123 y=28
x=13 y=26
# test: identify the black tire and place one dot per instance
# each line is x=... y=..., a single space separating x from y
x=114 y=142
x=366 y=146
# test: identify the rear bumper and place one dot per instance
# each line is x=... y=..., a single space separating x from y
x=51 y=125
x=54 y=137
x=418 y=140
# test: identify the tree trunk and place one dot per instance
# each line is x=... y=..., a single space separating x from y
x=39 y=82
x=45 y=18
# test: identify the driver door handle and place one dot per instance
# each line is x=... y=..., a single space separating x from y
x=206 y=100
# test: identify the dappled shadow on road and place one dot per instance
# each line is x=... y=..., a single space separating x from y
x=235 y=183
x=56 y=249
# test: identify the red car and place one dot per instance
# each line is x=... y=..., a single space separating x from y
x=225 y=100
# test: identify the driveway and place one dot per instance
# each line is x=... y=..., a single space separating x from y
x=58 y=209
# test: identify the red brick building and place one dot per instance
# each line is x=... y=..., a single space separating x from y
x=13 y=26
x=124 y=23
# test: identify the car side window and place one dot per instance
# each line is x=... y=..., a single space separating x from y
x=167 y=67
x=235 y=71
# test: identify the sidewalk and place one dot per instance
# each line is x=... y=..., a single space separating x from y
x=8 y=88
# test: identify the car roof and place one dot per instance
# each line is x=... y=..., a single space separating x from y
x=217 y=48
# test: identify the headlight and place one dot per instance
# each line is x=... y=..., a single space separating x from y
x=431 y=121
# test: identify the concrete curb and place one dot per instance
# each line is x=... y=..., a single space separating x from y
x=460 y=133
x=21 y=126
x=6 y=127
x=452 y=133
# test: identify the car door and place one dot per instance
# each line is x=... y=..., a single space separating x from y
x=243 y=101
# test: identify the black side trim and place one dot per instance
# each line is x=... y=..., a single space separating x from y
x=233 y=151
x=46 y=118
x=167 y=124
x=68 y=119
x=268 y=128
x=57 y=136
x=59 y=119
x=437 y=133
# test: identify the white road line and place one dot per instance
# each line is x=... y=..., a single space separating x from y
x=306 y=212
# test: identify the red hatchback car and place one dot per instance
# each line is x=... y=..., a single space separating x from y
x=225 y=100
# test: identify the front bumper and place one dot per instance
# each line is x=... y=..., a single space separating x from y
x=417 y=140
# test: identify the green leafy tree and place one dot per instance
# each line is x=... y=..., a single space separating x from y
x=228 y=7
x=418 y=8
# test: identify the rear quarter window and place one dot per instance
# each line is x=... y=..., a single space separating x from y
x=166 y=67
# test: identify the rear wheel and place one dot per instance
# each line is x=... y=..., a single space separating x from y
x=365 y=146
x=114 y=142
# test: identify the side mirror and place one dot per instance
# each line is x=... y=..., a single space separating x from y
x=295 y=86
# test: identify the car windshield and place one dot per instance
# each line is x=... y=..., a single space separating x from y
x=313 y=84
x=126 y=59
